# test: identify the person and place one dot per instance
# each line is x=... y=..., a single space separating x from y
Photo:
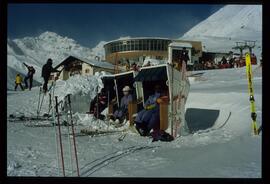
x=135 y=67
x=183 y=57
x=46 y=73
x=120 y=114
x=224 y=60
x=231 y=62
x=127 y=67
x=31 y=72
x=149 y=118
x=18 y=81
x=98 y=104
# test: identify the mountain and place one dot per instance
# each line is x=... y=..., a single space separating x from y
x=232 y=23
x=36 y=50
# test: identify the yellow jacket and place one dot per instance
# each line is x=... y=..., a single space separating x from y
x=18 y=79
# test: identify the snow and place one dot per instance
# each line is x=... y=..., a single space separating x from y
x=230 y=151
x=232 y=23
x=221 y=151
x=36 y=50
x=153 y=62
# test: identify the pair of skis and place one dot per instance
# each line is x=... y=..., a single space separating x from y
x=178 y=103
x=59 y=139
x=255 y=129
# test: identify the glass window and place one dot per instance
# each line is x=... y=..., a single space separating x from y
x=163 y=45
x=136 y=44
x=128 y=45
x=117 y=46
x=144 y=44
x=151 y=44
x=112 y=48
x=158 y=44
x=155 y=44
x=132 y=45
x=120 y=47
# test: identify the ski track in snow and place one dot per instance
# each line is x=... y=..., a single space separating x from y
x=230 y=151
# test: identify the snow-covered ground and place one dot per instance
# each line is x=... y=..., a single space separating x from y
x=231 y=24
x=230 y=151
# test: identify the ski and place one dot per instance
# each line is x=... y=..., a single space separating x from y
x=97 y=132
x=251 y=94
x=36 y=125
x=13 y=118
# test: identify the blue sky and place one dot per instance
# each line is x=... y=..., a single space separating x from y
x=89 y=24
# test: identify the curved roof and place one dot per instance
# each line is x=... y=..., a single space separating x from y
x=138 y=38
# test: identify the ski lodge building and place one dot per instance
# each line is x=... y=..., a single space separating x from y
x=136 y=50
x=75 y=65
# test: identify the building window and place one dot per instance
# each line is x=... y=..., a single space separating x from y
x=136 y=45
x=132 y=45
x=87 y=71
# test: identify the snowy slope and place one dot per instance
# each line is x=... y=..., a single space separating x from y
x=229 y=151
x=232 y=23
x=36 y=50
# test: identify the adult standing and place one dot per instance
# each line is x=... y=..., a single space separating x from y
x=29 y=76
x=46 y=73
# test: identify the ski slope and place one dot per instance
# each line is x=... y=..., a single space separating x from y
x=229 y=151
x=230 y=24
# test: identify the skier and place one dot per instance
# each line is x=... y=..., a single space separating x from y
x=120 y=114
x=46 y=73
x=99 y=104
x=18 y=81
x=31 y=72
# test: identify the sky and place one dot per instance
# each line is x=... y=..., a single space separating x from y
x=89 y=24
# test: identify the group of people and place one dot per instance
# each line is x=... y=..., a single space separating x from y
x=146 y=120
x=29 y=76
x=46 y=72
x=100 y=102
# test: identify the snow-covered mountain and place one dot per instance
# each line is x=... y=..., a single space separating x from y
x=232 y=23
x=36 y=50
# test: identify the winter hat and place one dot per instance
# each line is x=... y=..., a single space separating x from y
x=49 y=60
x=126 y=88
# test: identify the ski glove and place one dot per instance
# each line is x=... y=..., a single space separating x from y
x=150 y=107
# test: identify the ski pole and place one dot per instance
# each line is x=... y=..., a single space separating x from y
x=70 y=151
x=108 y=106
x=55 y=134
x=38 y=102
x=60 y=138
x=73 y=135
x=50 y=103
